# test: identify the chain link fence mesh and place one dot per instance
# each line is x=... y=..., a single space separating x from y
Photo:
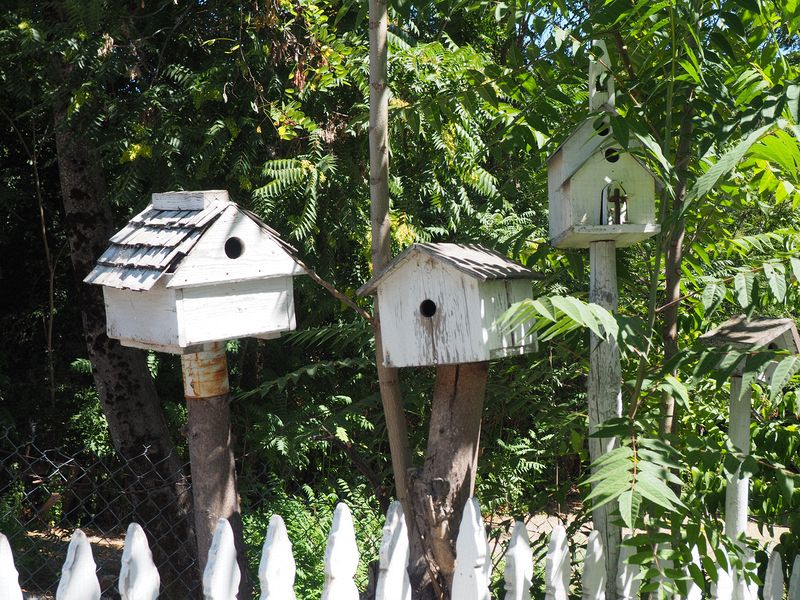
x=46 y=493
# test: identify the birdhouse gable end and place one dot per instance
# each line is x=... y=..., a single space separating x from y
x=741 y=333
x=590 y=138
x=236 y=247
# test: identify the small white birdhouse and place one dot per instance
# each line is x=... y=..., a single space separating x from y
x=755 y=334
x=596 y=191
x=195 y=268
x=439 y=304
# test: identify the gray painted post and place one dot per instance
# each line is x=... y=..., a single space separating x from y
x=605 y=393
x=736 y=493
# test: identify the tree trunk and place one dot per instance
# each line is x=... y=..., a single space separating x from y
x=205 y=382
x=447 y=479
x=674 y=259
x=381 y=242
x=127 y=393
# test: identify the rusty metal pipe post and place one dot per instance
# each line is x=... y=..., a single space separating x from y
x=206 y=387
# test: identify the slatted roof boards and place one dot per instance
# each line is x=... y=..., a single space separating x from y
x=156 y=240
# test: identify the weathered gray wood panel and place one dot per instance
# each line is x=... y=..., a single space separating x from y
x=144 y=317
x=234 y=310
x=452 y=335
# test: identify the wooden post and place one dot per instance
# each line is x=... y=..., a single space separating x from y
x=604 y=390
x=205 y=385
x=736 y=493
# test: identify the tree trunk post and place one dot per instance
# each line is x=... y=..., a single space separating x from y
x=447 y=480
x=604 y=391
x=206 y=388
x=388 y=379
x=737 y=490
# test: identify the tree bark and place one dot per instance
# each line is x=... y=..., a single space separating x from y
x=674 y=259
x=136 y=422
x=214 y=490
x=388 y=379
x=447 y=479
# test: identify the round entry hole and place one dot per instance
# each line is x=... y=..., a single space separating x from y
x=601 y=127
x=234 y=247
x=427 y=308
x=612 y=155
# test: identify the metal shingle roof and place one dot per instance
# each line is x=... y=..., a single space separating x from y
x=471 y=259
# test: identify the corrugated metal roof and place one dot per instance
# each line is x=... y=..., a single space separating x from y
x=155 y=241
x=473 y=260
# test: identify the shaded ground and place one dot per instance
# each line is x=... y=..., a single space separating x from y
x=40 y=560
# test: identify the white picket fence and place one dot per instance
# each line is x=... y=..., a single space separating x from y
x=139 y=579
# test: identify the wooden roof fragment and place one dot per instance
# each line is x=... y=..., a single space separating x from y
x=741 y=333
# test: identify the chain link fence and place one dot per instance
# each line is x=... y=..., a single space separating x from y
x=46 y=493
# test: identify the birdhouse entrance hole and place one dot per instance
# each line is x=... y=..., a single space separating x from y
x=601 y=127
x=427 y=308
x=612 y=155
x=234 y=247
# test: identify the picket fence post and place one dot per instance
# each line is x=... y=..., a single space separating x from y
x=221 y=576
x=393 y=582
x=138 y=576
x=694 y=592
x=277 y=568
x=773 y=578
x=341 y=557
x=628 y=582
x=518 y=574
x=794 y=580
x=79 y=573
x=593 y=579
x=9 y=578
x=557 y=566
x=473 y=563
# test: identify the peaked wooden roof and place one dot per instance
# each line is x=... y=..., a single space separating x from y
x=155 y=241
x=755 y=333
x=476 y=261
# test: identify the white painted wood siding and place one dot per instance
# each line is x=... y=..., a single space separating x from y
x=495 y=298
x=234 y=310
x=188 y=200
x=144 y=318
x=452 y=335
x=576 y=150
x=588 y=182
x=208 y=264
x=560 y=214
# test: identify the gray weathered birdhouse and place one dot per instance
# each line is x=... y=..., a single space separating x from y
x=598 y=192
x=755 y=334
x=439 y=303
x=746 y=335
x=194 y=268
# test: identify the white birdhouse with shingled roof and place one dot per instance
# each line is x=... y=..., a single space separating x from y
x=195 y=268
x=596 y=191
x=439 y=304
